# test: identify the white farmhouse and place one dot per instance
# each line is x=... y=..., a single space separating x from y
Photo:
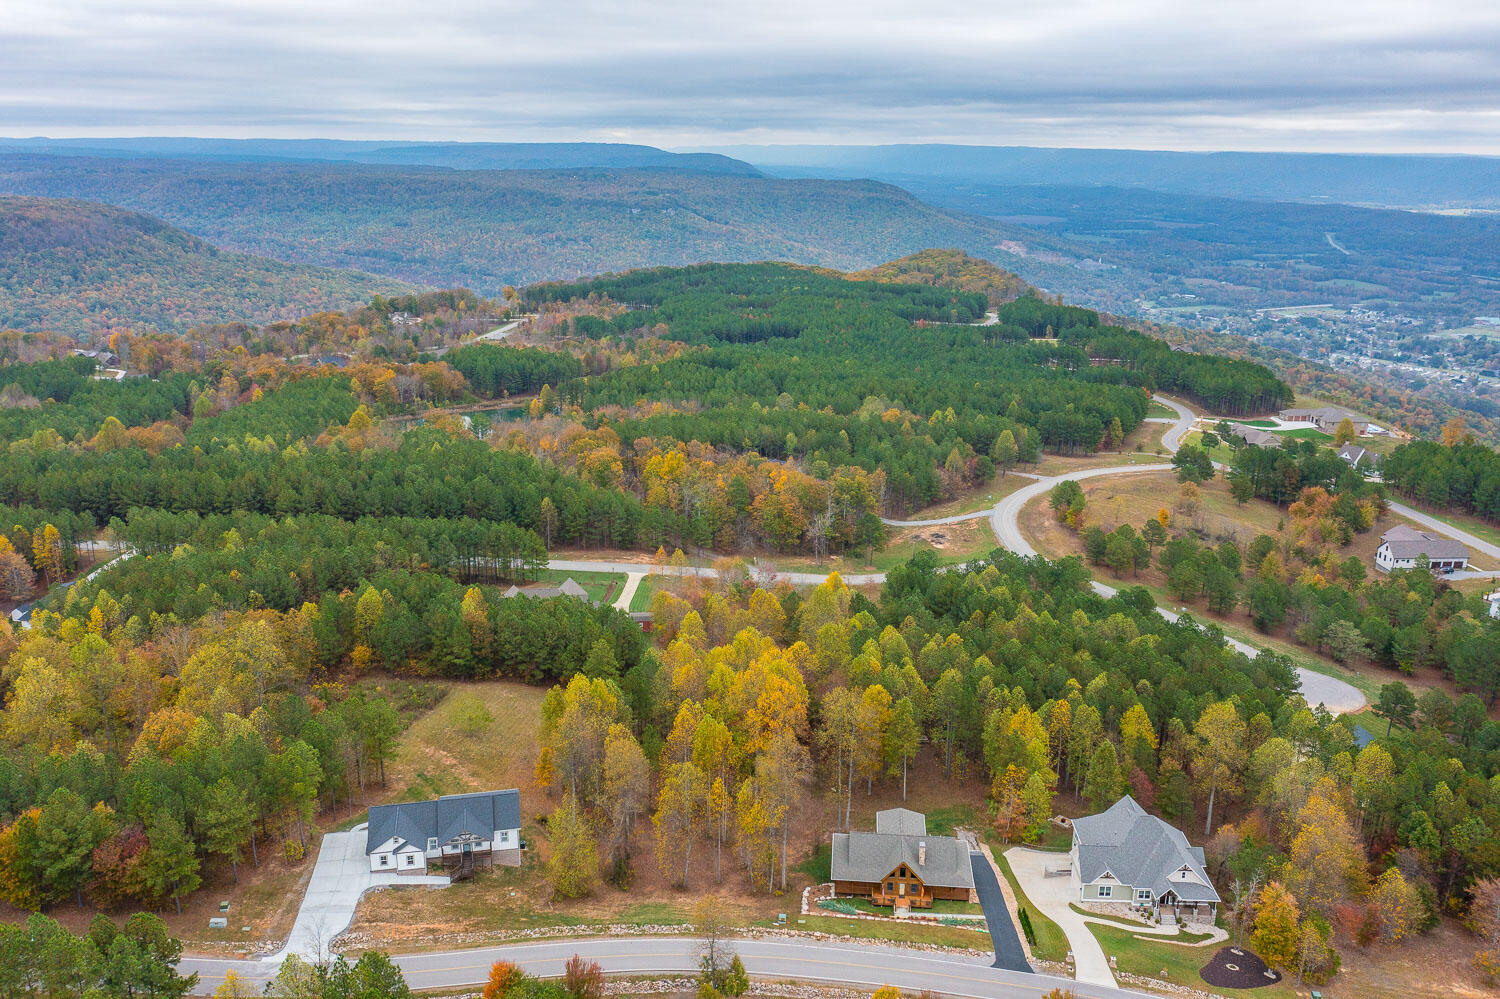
x=1401 y=546
x=457 y=829
x=1127 y=857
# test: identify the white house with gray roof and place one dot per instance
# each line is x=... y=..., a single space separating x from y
x=1402 y=546
x=1125 y=856
x=456 y=828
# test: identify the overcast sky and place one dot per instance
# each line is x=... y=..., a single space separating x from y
x=1335 y=75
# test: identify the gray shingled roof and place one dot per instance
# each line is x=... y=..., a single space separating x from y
x=447 y=818
x=1139 y=850
x=870 y=856
x=1250 y=435
x=901 y=822
x=569 y=588
x=1330 y=414
x=1353 y=454
x=1406 y=542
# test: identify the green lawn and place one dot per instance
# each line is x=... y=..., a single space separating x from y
x=1307 y=434
x=1154 y=409
x=1150 y=958
x=643 y=594
x=1221 y=453
x=1051 y=942
x=1122 y=920
x=942 y=821
x=940 y=907
x=595 y=584
x=819 y=866
x=893 y=930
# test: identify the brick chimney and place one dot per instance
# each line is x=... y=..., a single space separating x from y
x=921 y=853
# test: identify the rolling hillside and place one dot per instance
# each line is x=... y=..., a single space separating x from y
x=486 y=229
x=457 y=155
x=82 y=267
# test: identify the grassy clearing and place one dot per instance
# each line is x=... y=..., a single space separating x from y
x=1156 y=409
x=1051 y=942
x=1150 y=959
x=1307 y=434
x=980 y=498
x=596 y=584
x=940 y=907
x=891 y=930
x=1122 y=920
x=446 y=752
x=951 y=543
x=643 y=594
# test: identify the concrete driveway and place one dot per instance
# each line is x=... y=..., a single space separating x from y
x=342 y=874
x=1052 y=895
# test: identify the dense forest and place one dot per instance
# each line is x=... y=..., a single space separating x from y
x=485 y=229
x=88 y=269
x=308 y=544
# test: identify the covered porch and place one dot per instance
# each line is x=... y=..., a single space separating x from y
x=914 y=899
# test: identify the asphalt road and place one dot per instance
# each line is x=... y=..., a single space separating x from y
x=1009 y=953
x=867 y=966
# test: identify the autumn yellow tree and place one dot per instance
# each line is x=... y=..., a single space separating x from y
x=1456 y=431
x=626 y=790
x=1325 y=863
x=679 y=808
x=1275 y=937
x=1219 y=753
x=573 y=866
x=47 y=553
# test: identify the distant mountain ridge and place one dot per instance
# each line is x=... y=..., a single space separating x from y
x=454 y=155
x=1359 y=179
x=81 y=267
x=486 y=229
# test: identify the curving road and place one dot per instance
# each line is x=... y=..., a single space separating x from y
x=867 y=965
x=1336 y=695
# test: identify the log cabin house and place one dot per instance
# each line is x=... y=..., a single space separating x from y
x=900 y=865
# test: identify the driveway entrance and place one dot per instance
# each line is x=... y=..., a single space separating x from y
x=1008 y=951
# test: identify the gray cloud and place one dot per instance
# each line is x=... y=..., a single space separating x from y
x=1336 y=75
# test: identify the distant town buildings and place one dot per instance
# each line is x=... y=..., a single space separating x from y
x=1402 y=546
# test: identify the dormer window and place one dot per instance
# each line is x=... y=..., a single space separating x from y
x=431 y=843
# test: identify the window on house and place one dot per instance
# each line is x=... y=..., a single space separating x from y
x=1106 y=891
x=432 y=842
x=385 y=860
x=1144 y=895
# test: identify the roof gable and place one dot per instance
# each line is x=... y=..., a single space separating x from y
x=451 y=817
x=871 y=856
x=1138 y=849
x=901 y=822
